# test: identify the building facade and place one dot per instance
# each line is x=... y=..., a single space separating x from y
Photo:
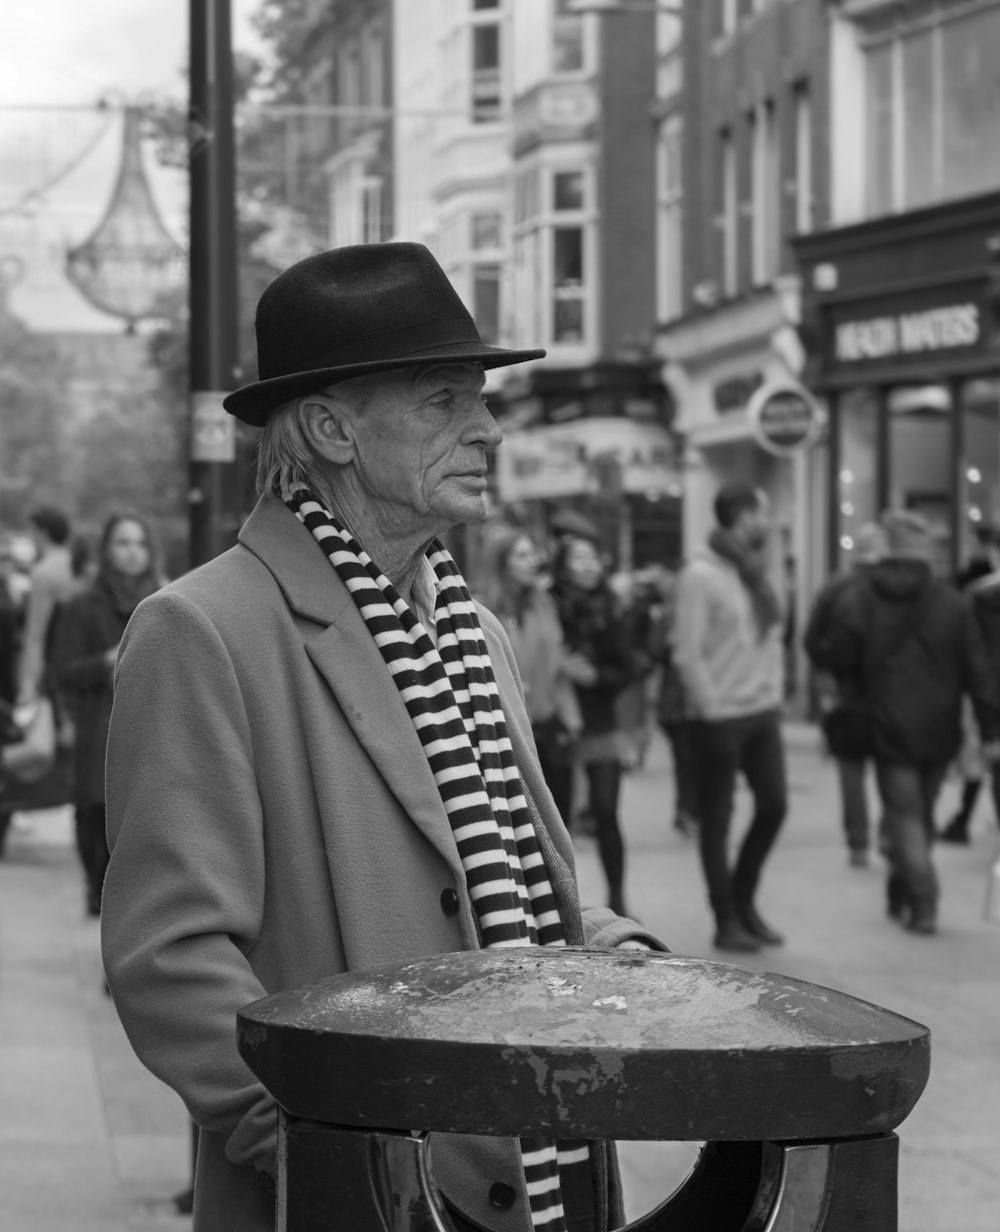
x=753 y=131
x=901 y=294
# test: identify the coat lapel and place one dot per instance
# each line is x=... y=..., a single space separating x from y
x=349 y=661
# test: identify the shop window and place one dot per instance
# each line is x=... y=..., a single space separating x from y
x=728 y=214
x=568 y=285
x=857 y=480
x=933 y=109
x=802 y=109
x=979 y=463
x=567 y=39
x=766 y=193
x=920 y=461
x=485 y=73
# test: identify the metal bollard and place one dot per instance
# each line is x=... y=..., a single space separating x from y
x=794 y=1088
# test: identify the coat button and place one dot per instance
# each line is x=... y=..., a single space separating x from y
x=449 y=902
x=502 y=1195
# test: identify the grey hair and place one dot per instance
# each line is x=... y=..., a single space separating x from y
x=285 y=458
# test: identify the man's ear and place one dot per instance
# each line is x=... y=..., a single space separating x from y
x=329 y=428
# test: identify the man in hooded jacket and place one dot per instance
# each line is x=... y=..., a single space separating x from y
x=911 y=644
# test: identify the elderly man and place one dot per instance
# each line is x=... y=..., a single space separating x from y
x=319 y=757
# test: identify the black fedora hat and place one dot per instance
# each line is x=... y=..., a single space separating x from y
x=353 y=310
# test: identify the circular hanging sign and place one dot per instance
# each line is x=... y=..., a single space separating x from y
x=785 y=418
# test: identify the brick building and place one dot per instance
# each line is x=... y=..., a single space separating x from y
x=754 y=172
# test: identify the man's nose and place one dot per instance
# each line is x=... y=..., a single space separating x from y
x=485 y=428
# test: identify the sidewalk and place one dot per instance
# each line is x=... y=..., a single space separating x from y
x=90 y=1142
x=838 y=935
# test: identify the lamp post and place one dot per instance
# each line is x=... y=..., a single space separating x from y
x=213 y=308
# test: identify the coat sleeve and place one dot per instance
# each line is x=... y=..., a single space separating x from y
x=690 y=622
x=183 y=899
x=979 y=678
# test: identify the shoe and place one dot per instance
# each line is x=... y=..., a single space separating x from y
x=858 y=859
x=898 y=904
x=93 y=903
x=922 y=924
x=731 y=935
x=756 y=927
x=957 y=831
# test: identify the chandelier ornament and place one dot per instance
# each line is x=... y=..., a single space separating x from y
x=130 y=260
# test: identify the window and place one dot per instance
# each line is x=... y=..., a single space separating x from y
x=567 y=190
x=486 y=301
x=567 y=39
x=486 y=231
x=727 y=16
x=766 y=184
x=669 y=219
x=371 y=211
x=374 y=67
x=802 y=108
x=932 y=110
x=728 y=217
x=349 y=89
x=567 y=284
x=485 y=72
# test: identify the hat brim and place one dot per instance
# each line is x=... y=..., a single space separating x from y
x=252 y=403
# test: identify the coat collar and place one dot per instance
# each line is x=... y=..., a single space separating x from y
x=347 y=658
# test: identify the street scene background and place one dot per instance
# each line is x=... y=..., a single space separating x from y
x=761 y=244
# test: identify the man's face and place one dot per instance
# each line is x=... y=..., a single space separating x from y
x=754 y=524
x=420 y=446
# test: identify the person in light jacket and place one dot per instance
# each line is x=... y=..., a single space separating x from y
x=320 y=759
x=728 y=652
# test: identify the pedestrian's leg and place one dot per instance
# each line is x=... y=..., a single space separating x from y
x=558 y=774
x=716 y=748
x=913 y=882
x=101 y=853
x=763 y=764
x=854 y=806
x=92 y=845
x=604 y=779
x=685 y=777
x=957 y=830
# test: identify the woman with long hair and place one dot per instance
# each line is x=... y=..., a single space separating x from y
x=600 y=664
x=88 y=628
x=516 y=596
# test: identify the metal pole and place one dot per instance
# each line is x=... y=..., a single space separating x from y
x=213 y=323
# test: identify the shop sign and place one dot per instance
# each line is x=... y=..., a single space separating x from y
x=908 y=329
x=953 y=327
x=575 y=459
x=785 y=418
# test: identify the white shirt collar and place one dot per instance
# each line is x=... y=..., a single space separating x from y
x=424 y=597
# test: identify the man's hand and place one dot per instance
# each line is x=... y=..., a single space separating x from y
x=634 y=943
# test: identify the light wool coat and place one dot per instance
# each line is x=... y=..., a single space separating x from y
x=273 y=821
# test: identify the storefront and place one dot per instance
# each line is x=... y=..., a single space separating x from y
x=901 y=317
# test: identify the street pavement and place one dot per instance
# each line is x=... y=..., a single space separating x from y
x=90 y=1142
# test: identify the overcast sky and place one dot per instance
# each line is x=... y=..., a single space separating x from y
x=72 y=51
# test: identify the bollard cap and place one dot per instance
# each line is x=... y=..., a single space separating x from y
x=586 y=1044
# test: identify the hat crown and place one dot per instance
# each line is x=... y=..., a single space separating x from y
x=354 y=304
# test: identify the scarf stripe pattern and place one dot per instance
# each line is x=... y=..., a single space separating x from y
x=452 y=698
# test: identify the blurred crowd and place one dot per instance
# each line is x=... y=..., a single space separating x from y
x=65 y=600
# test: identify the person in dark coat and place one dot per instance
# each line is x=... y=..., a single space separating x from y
x=599 y=662
x=911 y=644
x=851 y=769
x=87 y=632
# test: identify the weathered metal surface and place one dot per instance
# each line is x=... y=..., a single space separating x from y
x=586 y=1043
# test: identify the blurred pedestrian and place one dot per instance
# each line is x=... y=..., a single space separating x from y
x=729 y=655
x=516 y=596
x=981 y=579
x=838 y=699
x=51 y=584
x=599 y=663
x=88 y=630
x=911 y=645
x=639 y=606
x=674 y=715
x=319 y=757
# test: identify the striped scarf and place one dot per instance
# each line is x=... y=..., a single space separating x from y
x=452 y=698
